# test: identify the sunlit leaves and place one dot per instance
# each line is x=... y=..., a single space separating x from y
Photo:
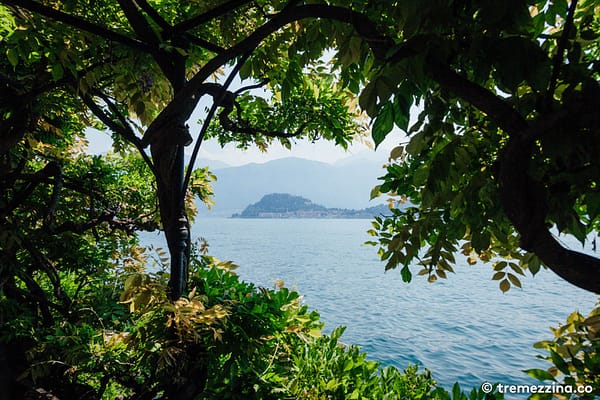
x=312 y=106
x=448 y=167
x=574 y=353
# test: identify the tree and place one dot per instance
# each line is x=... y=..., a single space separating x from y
x=152 y=67
x=493 y=82
x=505 y=145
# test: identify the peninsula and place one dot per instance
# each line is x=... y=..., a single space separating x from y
x=283 y=205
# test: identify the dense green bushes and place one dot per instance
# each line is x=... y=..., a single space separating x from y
x=227 y=339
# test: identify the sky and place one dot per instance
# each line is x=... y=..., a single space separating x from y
x=101 y=142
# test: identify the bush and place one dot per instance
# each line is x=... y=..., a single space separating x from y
x=226 y=339
x=574 y=353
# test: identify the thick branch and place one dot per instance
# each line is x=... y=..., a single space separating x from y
x=80 y=23
x=168 y=62
x=560 y=51
x=107 y=216
x=139 y=24
x=525 y=204
x=46 y=265
x=577 y=268
x=505 y=116
x=184 y=102
x=217 y=99
x=210 y=15
x=52 y=169
x=55 y=197
x=241 y=126
x=204 y=43
x=156 y=17
x=122 y=128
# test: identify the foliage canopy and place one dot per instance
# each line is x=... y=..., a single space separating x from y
x=505 y=145
x=505 y=148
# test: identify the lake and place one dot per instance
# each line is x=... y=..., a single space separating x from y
x=463 y=329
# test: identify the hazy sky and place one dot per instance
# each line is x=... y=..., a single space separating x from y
x=100 y=142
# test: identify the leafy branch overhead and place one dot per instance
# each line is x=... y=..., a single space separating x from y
x=503 y=152
x=515 y=85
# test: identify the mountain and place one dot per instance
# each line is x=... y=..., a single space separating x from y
x=335 y=186
x=283 y=205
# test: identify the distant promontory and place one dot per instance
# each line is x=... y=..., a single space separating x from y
x=283 y=205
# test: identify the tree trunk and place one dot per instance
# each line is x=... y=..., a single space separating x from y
x=168 y=156
x=525 y=203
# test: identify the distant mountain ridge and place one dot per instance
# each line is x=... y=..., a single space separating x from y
x=336 y=186
x=284 y=205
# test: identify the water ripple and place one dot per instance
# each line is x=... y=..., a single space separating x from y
x=463 y=329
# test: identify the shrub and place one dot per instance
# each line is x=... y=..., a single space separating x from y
x=574 y=353
x=226 y=339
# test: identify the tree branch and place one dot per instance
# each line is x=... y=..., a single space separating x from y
x=220 y=94
x=82 y=24
x=52 y=169
x=107 y=216
x=204 y=43
x=560 y=51
x=209 y=15
x=502 y=113
x=527 y=213
x=244 y=128
x=139 y=24
x=122 y=128
x=185 y=100
x=525 y=203
x=156 y=17
x=142 y=28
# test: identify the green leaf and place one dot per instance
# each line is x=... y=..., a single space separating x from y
x=480 y=241
x=456 y=392
x=246 y=70
x=403 y=100
x=57 y=72
x=417 y=143
x=368 y=99
x=514 y=280
x=401 y=115
x=592 y=201
x=540 y=374
x=558 y=361
x=383 y=124
x=13 y=56
x=375 y=192
x=385 y=88
x=406 y=274
x=504 y=286
x=498 y=275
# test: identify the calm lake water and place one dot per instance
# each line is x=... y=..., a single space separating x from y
x=462 y=329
